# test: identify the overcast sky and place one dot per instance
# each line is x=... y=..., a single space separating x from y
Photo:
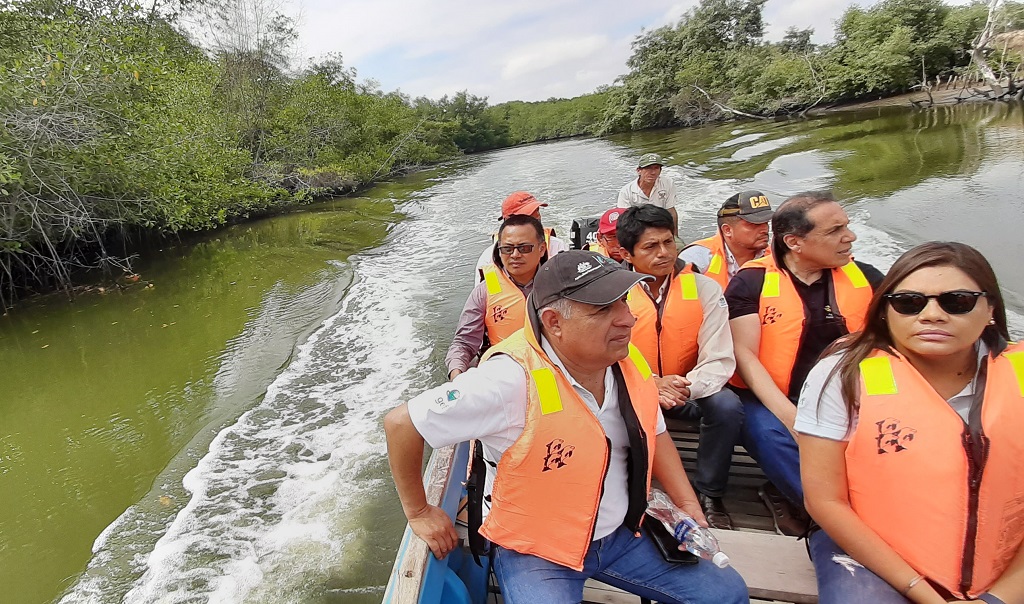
x=513 y=49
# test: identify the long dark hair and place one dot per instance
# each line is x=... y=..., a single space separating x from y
x=876 y=336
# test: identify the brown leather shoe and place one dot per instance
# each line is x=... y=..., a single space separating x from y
x=789 y=519
x=715 y=512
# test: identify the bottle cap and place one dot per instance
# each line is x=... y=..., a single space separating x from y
x=720 y=560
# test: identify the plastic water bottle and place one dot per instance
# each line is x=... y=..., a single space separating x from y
x=697 y=540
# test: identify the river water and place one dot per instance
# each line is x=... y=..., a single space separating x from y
x=217 y=437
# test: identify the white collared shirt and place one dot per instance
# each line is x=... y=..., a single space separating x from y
x=663 y=194
x=489 y=403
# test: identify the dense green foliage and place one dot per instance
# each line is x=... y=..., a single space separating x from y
x=112 y=120
x=716 y=60
x=551 y=119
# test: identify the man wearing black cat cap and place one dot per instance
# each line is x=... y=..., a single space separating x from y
x=567 y=413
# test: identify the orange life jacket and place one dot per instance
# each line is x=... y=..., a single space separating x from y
x=782 y=315
x=549 y=483
x=506 y=306
x=718 y=268
x=912 y=479
x=667 y=335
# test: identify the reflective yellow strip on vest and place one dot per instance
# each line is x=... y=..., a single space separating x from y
x=770 y=289
x=493 y=285
x=1017 y=362
x=641 y=363
x=878 y=377
x=716 y=265
x=688 y=283
x=854 y=274
x=547 y=391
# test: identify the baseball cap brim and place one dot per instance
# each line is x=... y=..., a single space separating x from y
x=526 y=209
x=758 y=217
x=607 y=288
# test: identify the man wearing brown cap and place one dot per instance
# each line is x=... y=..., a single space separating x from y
x=607 y=243
x=742 y=236
x=568 y=419
x=524 y=203
x=650 y=187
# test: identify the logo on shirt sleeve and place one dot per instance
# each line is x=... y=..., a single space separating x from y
x=446 y=402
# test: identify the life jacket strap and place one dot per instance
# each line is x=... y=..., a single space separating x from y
x=878 y=376
x=770 y=288
x=547 y=390
x=688 y=286
x=715 y=266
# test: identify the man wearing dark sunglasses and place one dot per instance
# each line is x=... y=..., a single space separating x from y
x=496 y=306
x=525 y=204
x=785 y=309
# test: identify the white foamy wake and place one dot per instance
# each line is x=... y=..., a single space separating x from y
x=279 y=503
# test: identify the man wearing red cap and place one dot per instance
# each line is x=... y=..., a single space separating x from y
x=607 y=243
x=496 y=307
x=526 y=204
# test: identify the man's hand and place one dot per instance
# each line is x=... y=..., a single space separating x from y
x=673 y=391
x=694 y=510
x=434 y=526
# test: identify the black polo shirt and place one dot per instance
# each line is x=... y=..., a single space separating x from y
x=822 y=327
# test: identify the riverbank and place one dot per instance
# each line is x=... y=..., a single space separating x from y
x=952 y=95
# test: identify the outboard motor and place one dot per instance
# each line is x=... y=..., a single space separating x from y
x=583 y=232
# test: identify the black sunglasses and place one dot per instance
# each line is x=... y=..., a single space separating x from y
x=524 y=248
x=958 y=302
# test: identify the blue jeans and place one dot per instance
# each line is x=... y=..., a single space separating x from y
x=622 y=560
x=772 y=446
x=841 y=580
x=721 y=427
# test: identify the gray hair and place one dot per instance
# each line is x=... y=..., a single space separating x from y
x=563 y=306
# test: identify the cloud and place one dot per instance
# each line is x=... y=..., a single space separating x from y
x=548 y=54
x=526 y=50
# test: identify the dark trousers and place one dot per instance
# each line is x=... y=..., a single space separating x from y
x=721 y=426
x=772 y=446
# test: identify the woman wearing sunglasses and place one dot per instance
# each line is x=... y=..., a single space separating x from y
x=911 y=444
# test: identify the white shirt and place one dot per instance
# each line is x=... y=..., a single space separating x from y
x=829 y=420
x=489 y=403
x=663 y=194
x=555 y=246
